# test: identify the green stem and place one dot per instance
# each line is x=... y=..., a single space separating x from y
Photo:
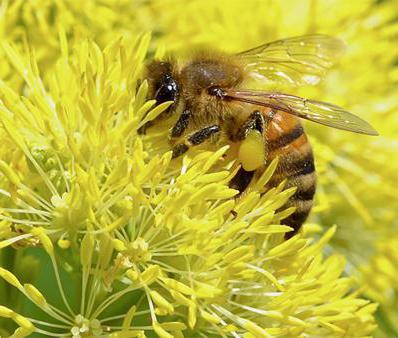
x=385 y=324
x=8 y=256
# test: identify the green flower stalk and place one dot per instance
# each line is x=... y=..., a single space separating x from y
x=125 y=242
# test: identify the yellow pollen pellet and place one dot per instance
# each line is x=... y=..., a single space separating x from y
x=252 y=151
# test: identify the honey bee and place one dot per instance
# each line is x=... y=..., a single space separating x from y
x=212 y=105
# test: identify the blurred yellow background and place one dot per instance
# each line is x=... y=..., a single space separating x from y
x=357 y=174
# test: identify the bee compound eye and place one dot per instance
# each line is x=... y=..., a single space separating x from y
x=167 y=91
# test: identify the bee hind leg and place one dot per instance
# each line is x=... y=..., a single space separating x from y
x=241 y=180
x=243 y=177
x=254 y=122
x=252 y=149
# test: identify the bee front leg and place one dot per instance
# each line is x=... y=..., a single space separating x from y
x=194 y=139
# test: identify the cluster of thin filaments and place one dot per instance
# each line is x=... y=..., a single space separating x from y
x=159 y=246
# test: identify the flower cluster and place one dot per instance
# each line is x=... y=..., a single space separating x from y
x=101 y=233
x=133 y=243
x=356 y=174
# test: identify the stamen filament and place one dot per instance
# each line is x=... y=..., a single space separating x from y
x=60 y=287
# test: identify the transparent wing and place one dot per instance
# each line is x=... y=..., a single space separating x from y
x=297 y=60
x=321 y=112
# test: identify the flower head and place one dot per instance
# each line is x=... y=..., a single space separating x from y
x=356 y=174
x=135 y=244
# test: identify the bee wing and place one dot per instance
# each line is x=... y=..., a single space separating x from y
x=321 y=112
x=297 y=60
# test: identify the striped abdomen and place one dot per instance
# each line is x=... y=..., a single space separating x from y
x=285 y=138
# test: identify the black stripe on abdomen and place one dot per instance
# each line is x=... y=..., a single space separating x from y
x=285 y=139
x=291 y=166
x=304 y=193
x=306 y=166
x=302 y=166
x=299 y=170
x=302 y=200
x=296 y=220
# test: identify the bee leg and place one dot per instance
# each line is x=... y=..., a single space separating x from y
x=194 y=139
x=254 y=122
x=243 y=177
x=181 y=124
x=241 y=180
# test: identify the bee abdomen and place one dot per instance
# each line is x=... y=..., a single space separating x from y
x=302 y=200
x=296 y=165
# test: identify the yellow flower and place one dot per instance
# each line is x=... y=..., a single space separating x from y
x=356 y=174
x=38 y=21
x=132 y=244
